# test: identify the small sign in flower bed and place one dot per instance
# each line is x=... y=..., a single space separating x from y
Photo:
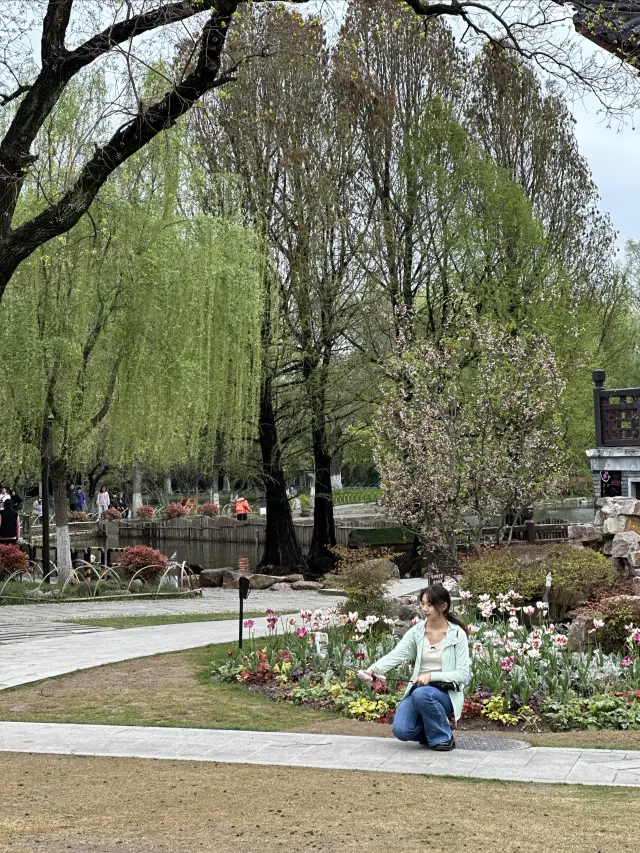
x=522 y=673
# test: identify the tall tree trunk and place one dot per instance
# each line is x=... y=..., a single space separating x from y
x=336 y=472
x=282 y=552
x=136 y=499
x=61 y=504
x=168 y=486
x=320 y=558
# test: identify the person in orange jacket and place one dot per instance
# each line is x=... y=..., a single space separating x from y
x=242 y=509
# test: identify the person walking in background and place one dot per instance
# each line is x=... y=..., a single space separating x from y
x=4 y=496
x=103 y=501
x=81 y=501
x=71 y=493
x=242 y=508
x=9 y=524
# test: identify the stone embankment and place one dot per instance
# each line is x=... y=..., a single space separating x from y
x=615 y=532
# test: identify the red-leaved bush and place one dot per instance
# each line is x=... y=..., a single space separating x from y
x=78 y=515
x=175 y=510
x=112 y=514
x=12 y=559
x=137 y=557
x=145 y=511
x=210 y=509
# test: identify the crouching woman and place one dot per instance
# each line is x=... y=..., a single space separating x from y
x=438 y=647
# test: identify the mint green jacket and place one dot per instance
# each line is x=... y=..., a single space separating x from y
x=456 y=665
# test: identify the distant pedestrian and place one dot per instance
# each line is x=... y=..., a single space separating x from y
x=73 y=501
x=16 y=500
x=37 y=508
x=4 y=495
x=242 y=509
x=81 y=500
x=103 y=501
x=9 y=524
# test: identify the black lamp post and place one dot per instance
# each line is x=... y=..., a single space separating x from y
x=49 y=450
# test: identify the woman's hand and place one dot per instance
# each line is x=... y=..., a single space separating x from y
x=365 y=675
x=424 y=679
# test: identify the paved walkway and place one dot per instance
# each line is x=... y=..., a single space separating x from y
x=33 y=660
x=335 y=752
x=212 y=601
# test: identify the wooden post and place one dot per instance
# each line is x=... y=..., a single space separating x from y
x=598 y=377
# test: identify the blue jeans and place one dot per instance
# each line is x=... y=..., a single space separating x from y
x=422 y=716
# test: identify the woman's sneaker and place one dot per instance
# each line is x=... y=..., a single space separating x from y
x=444 y=747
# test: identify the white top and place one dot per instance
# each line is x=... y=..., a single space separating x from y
x=103 y=499
x=431 y=660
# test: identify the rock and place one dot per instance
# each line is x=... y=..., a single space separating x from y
x=631 y=522
x=34 y=593
x=624 y=544
x=407 y=612
x=170 y=581
x=86 y=589
x=212 y=577
x=613 y=525
x=584 y=533
x=230 y=579
x=606 y=548
x=389 y=567
x=263 y=581
x=281 y=587
x=135 y=585
x=298 y=585
x=291 y=578
x=578 y=637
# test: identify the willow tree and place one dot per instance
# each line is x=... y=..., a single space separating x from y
x=136 y=330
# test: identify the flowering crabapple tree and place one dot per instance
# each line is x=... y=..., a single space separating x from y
x=473 y=424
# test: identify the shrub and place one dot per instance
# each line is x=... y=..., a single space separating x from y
x=137 y=557
x=174 y=510
x=145 y=511
x=365 y=584
x=78 y=515
x=616 y=611
x=112 y=514
x=575 y=572
x=12 y=559
x=210 y=509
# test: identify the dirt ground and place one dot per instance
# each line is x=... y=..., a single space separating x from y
x=106 y=805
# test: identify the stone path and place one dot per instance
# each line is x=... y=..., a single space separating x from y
x=15 y=632
x=211 y=601
x=33 y=660
x=335 y=752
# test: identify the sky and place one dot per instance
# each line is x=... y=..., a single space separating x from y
x=612 y=154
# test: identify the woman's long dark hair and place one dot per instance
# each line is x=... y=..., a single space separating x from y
x=437 y=595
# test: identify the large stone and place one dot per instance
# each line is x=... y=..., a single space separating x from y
x=212 y=577
x=281 y=587
x=389 y=567
x=292 y=578
x=613 y=525
x=407 y=612
x=606 y=548
x=308 y=585
x=230 y=579
x=135 y=585
x=625 y=544
x=578 y=636
x=263 y=581
x=631 y=522
x=584 y=533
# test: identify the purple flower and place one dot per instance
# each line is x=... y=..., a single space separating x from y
x=625 y=663
x=301 y=632
x=248 y=623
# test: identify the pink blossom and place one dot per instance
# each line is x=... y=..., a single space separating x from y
x=626 y=662
x=248 y=623
x=506 y=664
x=268 y=612
x=301 y=632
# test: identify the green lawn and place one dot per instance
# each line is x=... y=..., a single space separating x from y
x=165 y=690
x=168 y=619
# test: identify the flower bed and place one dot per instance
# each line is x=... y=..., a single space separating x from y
x=522 y=672
x=112 y=514
x=78 y=515
x=145 y=511
x=174 y=510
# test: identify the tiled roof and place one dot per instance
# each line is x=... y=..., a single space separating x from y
x=613 y=26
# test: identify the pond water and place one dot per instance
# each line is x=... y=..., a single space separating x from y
x=209 y=555
x=213 y=555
